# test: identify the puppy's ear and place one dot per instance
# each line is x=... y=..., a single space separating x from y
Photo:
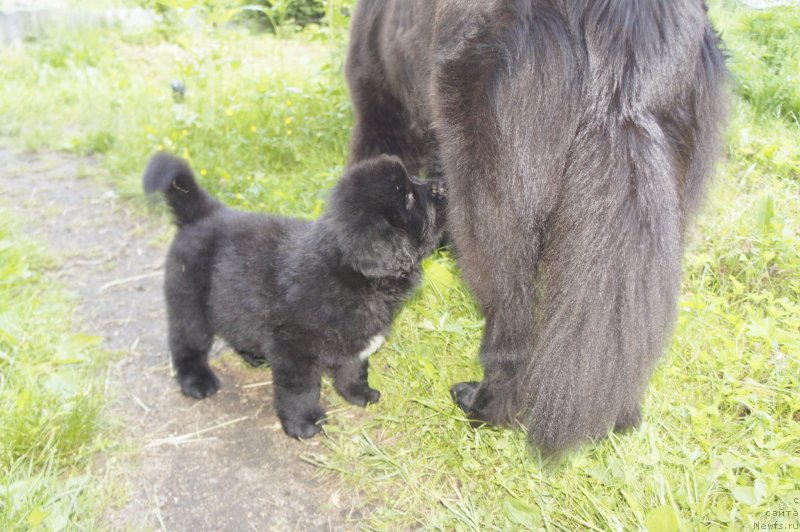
x=383 y=258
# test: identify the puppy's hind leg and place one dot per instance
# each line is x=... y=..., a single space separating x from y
x=190 y=334
x=255 y=359
x=190 y=362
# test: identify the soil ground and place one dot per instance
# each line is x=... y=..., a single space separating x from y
x=218 y=464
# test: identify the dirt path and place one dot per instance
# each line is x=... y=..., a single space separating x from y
x=218 y=464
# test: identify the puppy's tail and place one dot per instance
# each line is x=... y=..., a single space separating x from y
x=172 y=177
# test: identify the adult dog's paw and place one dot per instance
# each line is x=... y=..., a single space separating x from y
x=305 y=426
x=198 y=382
x=463 y=393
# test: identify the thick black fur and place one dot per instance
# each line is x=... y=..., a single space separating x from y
x=575 y=137
x=305 y=297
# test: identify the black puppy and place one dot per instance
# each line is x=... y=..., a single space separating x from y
x=302 y=296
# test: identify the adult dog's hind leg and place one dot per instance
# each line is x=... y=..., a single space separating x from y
x=629 y=418
x=503 y=356
x=500 y=270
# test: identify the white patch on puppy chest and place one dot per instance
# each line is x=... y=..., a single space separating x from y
x=373 y=345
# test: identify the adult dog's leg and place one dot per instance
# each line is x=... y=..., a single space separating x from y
x=503 y=353
x=504 y=133
x=382 y=124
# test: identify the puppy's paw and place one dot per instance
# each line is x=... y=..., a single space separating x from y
x=463 y=393
x=373 y=396
x=254 y=359
x=305 y=426
x=361 y=396
x=198 y=382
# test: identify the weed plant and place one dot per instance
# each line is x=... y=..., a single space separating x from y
x=51 y=401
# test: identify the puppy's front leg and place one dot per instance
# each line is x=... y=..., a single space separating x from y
x=350 y=380
x=297 y=383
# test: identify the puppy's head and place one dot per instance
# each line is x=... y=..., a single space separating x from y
x=383 y=220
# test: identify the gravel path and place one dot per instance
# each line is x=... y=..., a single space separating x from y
x=218 y=464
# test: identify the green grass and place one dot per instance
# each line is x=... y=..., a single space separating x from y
x=51 y=399
x=266 y=123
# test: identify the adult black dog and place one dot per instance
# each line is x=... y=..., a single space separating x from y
x=575 y=136
x=302 y=296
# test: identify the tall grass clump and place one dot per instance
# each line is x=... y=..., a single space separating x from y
x=764 y=50
x=51 y=400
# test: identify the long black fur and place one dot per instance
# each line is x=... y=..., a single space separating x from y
x=303 y=296
x=575 y=137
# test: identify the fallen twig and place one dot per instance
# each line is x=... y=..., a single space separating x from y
x=186 y=438
x=129 y=280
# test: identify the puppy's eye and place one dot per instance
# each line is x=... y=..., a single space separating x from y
x=409 y=200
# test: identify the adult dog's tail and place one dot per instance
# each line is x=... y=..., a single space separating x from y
x=171 y=176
